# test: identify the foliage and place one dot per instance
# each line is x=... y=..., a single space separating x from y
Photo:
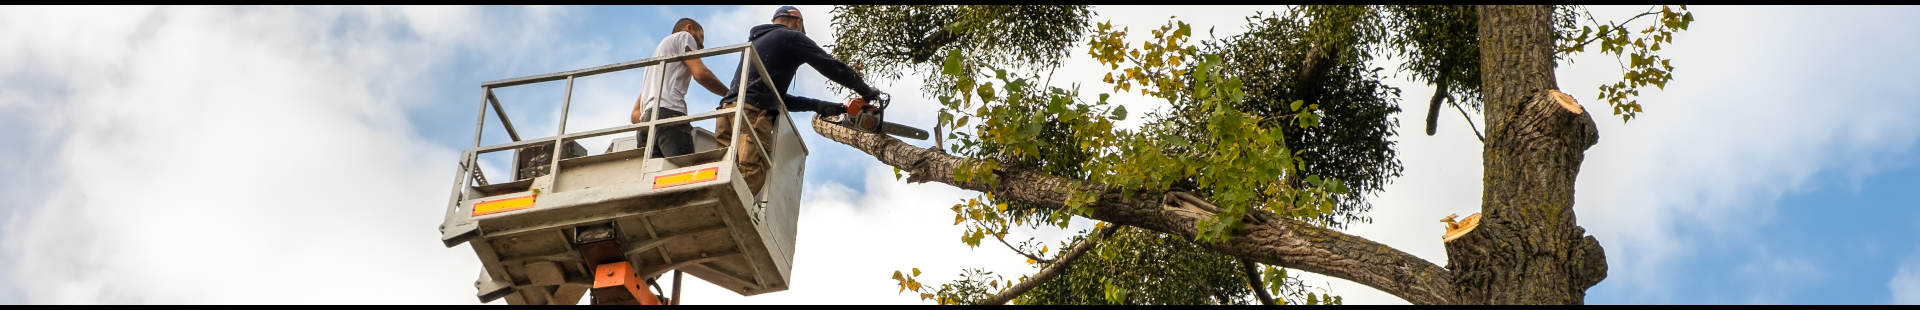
x=1240 y=131
x=1136 y=266
x=1353 y=140
x=1439 y=42
x=1291 y=290
x=1022 y=125
x=1643 y=65
x=888 y=40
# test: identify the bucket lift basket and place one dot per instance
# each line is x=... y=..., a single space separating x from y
x=691 y=212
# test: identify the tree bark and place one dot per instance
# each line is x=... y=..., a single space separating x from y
x=1281 y=242
x=1527 y=249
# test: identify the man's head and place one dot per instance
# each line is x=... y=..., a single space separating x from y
x=790 y=17
x=692 y=27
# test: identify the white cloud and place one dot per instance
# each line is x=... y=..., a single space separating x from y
x=238 y=154
x=1773 y=278
x=1905 y=285
x=1711 y=156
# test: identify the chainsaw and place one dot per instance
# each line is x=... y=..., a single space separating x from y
x=869 y=116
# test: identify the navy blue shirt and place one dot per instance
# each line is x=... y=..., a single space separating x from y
x=783 y=50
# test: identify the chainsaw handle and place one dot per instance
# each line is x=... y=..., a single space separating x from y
x=880 y=101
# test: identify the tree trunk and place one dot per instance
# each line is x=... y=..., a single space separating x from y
x=1527 y=249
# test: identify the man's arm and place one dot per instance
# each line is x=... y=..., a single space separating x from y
x=704 y=76
x=804 y=104
x=831 y=68
x=634 y=118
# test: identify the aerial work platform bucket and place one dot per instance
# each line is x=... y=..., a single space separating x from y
x=540 y=237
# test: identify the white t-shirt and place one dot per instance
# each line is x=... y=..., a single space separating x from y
x=673 y=94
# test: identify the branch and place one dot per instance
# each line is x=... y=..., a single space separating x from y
x=1003 y=240
x=1463 y=115
x=1053 y=270
x=1621 y=24
x=1253 y=279
x=923 y=51
x=1312 y=70
x=1433 y=107
x=1280 y=242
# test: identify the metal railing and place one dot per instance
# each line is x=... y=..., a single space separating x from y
x=651 y=124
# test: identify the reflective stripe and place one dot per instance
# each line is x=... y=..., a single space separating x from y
x=503 y=205
x=684 y=178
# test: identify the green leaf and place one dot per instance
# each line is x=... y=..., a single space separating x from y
x=1119 y=112
x=1295 y=106
x=952 y=63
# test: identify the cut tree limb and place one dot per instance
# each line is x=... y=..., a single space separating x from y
x=1456 y=229
x=1280 y=242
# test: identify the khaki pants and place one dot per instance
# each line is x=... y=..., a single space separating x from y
x=753 y=167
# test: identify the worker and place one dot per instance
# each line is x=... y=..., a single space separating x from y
x=782 y=46
x=671 y=96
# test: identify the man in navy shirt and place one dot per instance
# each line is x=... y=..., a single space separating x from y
x=782 y=46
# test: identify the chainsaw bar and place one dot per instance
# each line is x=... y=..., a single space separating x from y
x=903 y=131
x=890 y=128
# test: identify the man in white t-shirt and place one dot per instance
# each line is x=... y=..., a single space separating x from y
x=665 y=86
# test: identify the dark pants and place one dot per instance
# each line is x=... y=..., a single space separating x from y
x=673 y=140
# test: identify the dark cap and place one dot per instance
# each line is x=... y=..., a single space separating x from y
x=786 y=11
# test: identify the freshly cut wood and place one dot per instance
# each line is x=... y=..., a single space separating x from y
x=1566 y=101
x=1459 y=228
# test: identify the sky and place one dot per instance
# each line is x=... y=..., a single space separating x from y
x=189 y=154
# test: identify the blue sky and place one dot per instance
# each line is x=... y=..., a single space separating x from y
x=191 y=146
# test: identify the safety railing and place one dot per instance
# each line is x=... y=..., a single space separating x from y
x=750 y=61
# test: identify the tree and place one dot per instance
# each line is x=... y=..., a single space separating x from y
x=1528 y=248
x=888 y=40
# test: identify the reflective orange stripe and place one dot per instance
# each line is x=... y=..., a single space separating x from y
x=684 y=178
x=503 y=205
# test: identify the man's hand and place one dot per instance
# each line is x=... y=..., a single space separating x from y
x=831 y=109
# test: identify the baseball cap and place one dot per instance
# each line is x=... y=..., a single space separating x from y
x=786 y=11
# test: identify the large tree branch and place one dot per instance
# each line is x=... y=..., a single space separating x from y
x=1281 y=242
x=1058 y=267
